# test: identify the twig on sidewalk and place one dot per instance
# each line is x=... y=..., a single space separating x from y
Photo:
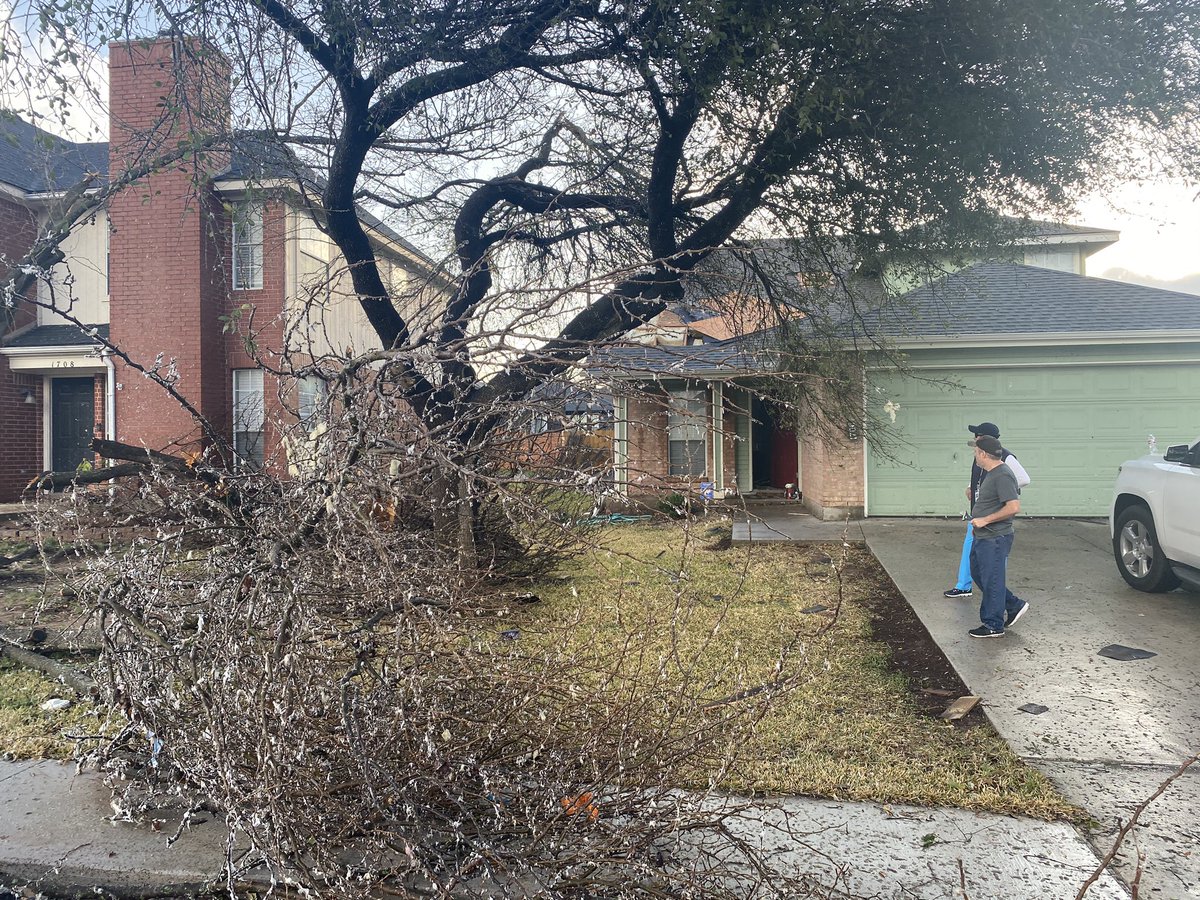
x=1124 y=830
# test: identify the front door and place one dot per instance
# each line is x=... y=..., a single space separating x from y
x=72 y=422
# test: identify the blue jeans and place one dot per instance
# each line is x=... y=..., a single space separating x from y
x=989 y=568
x=964 y=562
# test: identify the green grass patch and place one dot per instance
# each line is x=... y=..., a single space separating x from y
x=845 y=726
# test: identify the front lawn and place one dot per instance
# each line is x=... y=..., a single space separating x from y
x=794 y=622
x=844 y=725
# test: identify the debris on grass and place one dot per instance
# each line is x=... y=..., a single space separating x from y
x=960 y=708
x=845 y=720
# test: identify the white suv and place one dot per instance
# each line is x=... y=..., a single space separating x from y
x=1155 y=519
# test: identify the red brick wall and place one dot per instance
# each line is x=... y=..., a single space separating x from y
x=831 y=473
x=165 y=289
x=98 y=408
x=20 y=432
x=20 y=423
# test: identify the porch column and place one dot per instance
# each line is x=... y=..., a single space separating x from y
x=621 y=444
x=718 y=433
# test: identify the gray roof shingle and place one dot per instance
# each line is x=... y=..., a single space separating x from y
x=1022 y=301
x=694 y=360
x=35 y=161
x=57 y=336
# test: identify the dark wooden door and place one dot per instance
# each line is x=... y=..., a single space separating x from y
x=72 y=422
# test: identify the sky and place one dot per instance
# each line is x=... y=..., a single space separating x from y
x=1160 y=231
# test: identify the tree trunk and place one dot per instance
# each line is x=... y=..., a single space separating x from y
x=453 y=517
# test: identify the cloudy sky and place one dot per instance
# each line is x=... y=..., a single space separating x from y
x=1160 y=233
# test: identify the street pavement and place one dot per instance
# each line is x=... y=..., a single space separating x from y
x=56 y=837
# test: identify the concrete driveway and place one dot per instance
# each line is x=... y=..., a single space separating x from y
x=1114 y=731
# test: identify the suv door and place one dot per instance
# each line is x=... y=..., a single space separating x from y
x=1180 y=534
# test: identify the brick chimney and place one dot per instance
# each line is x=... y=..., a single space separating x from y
x=166 y=262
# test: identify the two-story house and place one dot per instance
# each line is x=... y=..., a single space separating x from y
x=175 y=270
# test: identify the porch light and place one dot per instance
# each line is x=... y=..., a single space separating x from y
x=27 y=396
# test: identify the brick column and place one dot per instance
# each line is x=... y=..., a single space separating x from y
x=165 y=285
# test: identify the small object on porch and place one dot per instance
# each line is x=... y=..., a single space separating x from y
x=707 y=491
x=790 y=492
x=1125 y=654
x=960 y=708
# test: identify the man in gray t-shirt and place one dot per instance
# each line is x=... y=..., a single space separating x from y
x=996 y=503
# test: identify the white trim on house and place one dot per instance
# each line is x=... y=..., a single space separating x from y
x=1064 y=363
x=717 y=392
x=63 y=360
x=1084 y=238
x=621 y=444
x=1041 y=339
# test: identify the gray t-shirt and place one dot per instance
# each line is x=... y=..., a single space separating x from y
x=998 y=487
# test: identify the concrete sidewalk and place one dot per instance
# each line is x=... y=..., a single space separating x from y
x=785 y=522
x=54 y=837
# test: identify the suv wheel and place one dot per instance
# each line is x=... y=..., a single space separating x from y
x=1138 y=556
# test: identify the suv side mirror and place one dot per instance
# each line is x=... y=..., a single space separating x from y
x=1179 y=453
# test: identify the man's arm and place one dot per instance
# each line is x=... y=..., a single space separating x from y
x=1007 y=511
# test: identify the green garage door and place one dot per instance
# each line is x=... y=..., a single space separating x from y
x=1069 y=425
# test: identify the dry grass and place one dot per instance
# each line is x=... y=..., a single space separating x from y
x=846 y=726
x=28 y=732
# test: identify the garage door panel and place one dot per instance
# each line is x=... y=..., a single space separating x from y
x=1066 y=383
x=1024 y=383
x=1070 y=426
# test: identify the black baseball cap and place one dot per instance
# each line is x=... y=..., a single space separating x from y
x=989 y=445
x=987 y=428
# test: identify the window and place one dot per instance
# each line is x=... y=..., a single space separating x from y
x=312 y=392
x=686 y=433
x=248 y=417
x=248 y=247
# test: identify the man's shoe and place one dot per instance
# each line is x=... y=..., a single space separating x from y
x=983 y=632
x=1010 y=619
x=955 y=593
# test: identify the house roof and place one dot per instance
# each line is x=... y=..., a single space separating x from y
x=35 y=161
x=58 y=336
x=993 y=301
x=570 y=399
x=1022 y=301
x=691 y=361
